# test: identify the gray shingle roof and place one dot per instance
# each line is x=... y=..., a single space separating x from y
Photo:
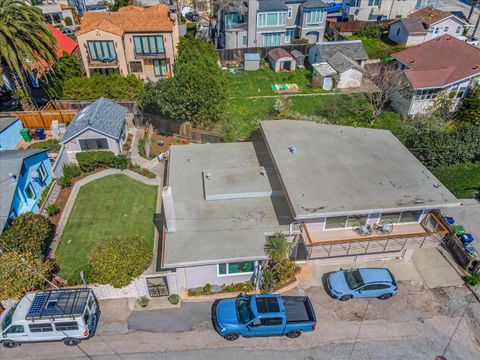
x=352 y=49
x=314 y=4
x=103 y=116
x=271 y=5
x=413 y=26
x=6 y=122
x=342 y=63
x=11 y=163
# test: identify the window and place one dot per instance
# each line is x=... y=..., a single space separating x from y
x=461 y=92
x=410 y=216
x=233 y=19
x=445 y=29
x=136 y=66
x=373 y=2
x=436 y=30
x=149 y=45
x=289 y=12
x=244 y=267
x=267 y=304
x=30 y=191
x=314 y=17
x=398 y=31
x=93 y=144
x=289 y=36
x=101 y=50
x=424 y=94
x=337 y=222
x=394 y=218
x=271 y=39
x=66 y=326
x=271 y=19
x=42 y=172
x=245 y=40
x=160 y=67
x=354 y=279
x=244 y=311
x=44 y=327
x=271 y=321
x=16 y=329
x=356 y=221
x=459 y=29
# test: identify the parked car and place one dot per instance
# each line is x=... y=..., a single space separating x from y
x=68 y=32
x=263 y=315
x=192 y=16
x=68 y=315
x=334 y=7
x=364 y=283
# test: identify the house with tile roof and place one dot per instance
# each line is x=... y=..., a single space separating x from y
x=444 y=65
x=426 y=24
x=133 y=40
x=99 y=126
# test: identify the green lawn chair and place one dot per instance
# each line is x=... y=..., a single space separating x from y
x=274 y=87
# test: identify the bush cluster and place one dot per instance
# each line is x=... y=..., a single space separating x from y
x=91 y=160
x=372 y=31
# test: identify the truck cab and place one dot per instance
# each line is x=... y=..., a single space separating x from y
x=263 y=315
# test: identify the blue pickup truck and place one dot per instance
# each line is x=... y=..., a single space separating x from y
x=263 y=315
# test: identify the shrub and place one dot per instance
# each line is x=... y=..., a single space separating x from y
x=91 y=160
x=68 y=21
x=143 y=301
x=141 y=146
x=64 y=182
x=174 y=299
x=71 y=171
x=277 y=247
x=207 y=289
x=52 y=210
x=372 y=31
x=20 y=273
x=44 y=193
x=269 y=281
x=121 y=162
x=285 y=270
x=117 y=261
x=473 y=280
x=27 y=234
x=300 y=41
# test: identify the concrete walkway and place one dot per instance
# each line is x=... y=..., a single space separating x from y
x=76 y=188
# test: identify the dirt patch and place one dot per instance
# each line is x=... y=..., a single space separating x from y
x=161 y=143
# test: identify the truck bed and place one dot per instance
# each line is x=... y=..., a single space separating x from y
x=298 y=309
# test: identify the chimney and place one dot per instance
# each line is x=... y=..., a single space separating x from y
x=169 y=209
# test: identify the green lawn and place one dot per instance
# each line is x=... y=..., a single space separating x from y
x=463 y=180
x=115 y=205
x=258 y=83
x=378 y=48
x=51 y=144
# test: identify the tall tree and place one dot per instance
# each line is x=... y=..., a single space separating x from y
x=469 y=111
x=116 y=4
x=24 y=40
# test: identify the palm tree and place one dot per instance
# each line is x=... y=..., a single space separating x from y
x=116 y=4
x=277 y=247
x=25 y=40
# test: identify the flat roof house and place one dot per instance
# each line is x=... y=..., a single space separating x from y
x=132 y=40
x=442 y=65
x=320 y=184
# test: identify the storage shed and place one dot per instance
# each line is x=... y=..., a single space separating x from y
x=323 y=76
x=251 y=61
x=281 y=60
x=299 y=58
x=10 y=133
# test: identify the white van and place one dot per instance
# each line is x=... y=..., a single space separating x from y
x=68 y=315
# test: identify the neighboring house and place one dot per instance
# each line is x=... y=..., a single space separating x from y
x=380 y=9
x=54 y=11
x=427 y=24
x=132 y=40
x=10 y=133
x=270 y=23
x=64 y=43
x=315 y=183
x=24 y=174
x=444 y=65
x=79 y=6
x=337 y=64
x=99 y=126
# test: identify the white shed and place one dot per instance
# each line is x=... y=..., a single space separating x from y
x=323 y=76
x=251 y=61
x=281 y=60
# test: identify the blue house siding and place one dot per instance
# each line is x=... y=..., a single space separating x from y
x=30 y=184
x=10 y=136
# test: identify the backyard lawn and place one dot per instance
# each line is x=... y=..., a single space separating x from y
x=463 y=180
x=378 y=48
x=115 y=205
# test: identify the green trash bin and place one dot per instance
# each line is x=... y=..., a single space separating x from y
x=26 y=135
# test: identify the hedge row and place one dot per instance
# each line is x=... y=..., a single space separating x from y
x=91 y=160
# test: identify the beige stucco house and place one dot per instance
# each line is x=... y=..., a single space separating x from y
x=133 y=40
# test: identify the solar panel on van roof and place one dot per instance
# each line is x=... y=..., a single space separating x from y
x=58 y=303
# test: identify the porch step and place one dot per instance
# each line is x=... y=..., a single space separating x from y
x=52 y=197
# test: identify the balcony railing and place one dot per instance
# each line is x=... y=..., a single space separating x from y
x=103 y=63
x=233 y=27
x=151 y=56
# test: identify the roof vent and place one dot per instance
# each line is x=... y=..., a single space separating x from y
x=12 y=176
x=189 y=159
x=293 y=149
x=263 y=172
x=412 y=61
x=208 y=176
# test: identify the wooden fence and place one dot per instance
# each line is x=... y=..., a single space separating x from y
x=236 y=55
x=43 y=119
x=131 y=105
x=351 y=26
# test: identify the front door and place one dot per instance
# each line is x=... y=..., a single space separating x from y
x=157 y=286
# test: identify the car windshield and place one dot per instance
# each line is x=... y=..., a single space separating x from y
x=354 y=279
x=245 y=313
x=7 y=320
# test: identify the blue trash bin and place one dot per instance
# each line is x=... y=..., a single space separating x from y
x=466 y=238
x=469 y=249
x=450 y=220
